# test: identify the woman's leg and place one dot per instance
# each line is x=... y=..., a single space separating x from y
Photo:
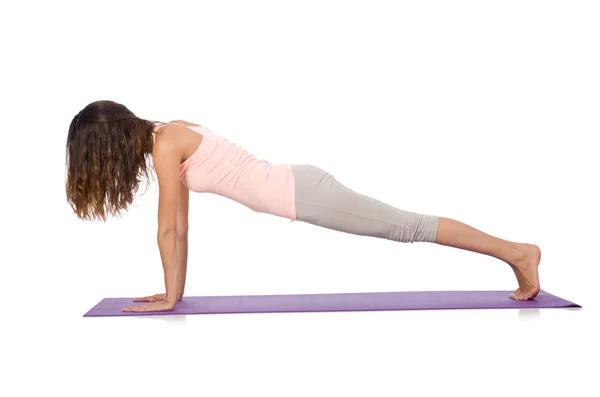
x=522 y=258
x=323 y=201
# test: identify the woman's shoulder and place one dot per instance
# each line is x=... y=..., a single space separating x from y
x=174 y=134
x=178 y=137
x=187 y=123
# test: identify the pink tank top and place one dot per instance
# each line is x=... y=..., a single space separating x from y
x=221 y=167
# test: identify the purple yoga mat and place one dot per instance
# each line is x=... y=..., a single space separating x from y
x=364 y=301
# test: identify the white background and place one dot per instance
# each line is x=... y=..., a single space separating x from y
x=486 y=112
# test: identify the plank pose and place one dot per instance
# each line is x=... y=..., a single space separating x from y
x=108 y=148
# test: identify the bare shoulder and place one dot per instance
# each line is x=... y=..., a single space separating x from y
x=170 y=139
x=185 y=123
x=177 y=141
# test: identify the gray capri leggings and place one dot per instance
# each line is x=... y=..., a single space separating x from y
x=323 y=201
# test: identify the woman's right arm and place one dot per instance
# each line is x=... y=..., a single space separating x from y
x=182 y=245
x=182 y=234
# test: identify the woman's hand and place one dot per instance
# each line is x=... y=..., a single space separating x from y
x=160 y=306
x=152 y=298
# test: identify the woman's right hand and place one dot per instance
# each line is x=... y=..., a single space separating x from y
x=153 y=298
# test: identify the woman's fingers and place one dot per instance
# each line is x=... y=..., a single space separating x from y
x=140 y=308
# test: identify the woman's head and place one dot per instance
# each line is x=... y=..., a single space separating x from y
x=108 y=151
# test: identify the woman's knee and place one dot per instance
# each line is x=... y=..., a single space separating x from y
x=418 y=228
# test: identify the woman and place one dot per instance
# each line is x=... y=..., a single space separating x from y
x=109 y=148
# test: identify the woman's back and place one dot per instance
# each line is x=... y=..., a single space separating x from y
x=221 y=167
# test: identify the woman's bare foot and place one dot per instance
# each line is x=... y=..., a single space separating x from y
x=522 y=258
x=525 y=267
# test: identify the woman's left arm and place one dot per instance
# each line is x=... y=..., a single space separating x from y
x=166 y=163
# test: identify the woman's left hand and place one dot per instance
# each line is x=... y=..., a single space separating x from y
x=161 y=306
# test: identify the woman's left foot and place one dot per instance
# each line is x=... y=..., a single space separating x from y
x=525 y=267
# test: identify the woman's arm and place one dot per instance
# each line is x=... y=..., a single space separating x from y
x=166 y=164
x=182 y=235
x=167 y=155
x=182 y=226
x=182 y=246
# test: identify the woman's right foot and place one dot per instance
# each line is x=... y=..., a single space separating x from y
x=525 y=267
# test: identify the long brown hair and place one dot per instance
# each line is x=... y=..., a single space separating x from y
x=108 y=153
